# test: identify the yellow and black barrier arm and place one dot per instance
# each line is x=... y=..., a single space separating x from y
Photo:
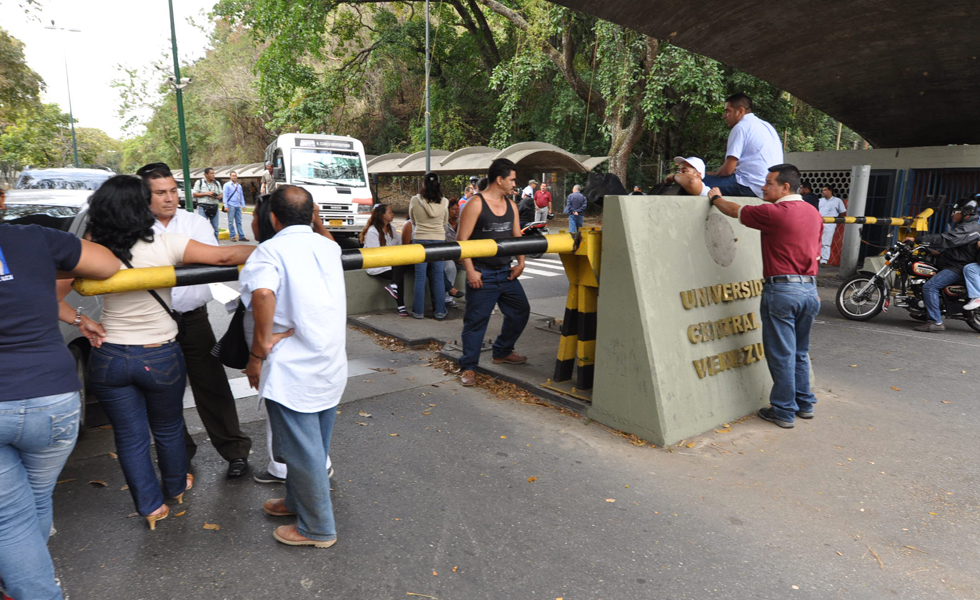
x=131 y=280
x=908 y=226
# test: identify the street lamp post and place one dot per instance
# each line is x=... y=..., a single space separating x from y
x=71 y=115
x=428 y=59
x=178 y=87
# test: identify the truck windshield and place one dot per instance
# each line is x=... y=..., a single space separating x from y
x=327 y=167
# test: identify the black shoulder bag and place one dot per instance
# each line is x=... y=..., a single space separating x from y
x=232 y=349
x=176 y=316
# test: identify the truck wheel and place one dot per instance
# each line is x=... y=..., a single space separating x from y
x=80 y=364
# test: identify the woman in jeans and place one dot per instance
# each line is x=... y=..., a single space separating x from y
x=138 y=372
x=39 y=400
x=429 y=213
x=377 y=233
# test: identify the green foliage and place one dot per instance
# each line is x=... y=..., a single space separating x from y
x=20 y=86
x=40 y=138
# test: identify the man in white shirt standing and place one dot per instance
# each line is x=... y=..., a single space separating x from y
x=212 y=394
x=830 y=206
x=294 y=284
x=753 y=147
x=207 y=193
x=529 y=189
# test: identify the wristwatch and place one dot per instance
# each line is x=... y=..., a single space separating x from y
x=78 y=317
x=713 y=198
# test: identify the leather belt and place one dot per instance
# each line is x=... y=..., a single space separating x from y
x=791 y=279
x=158 y=345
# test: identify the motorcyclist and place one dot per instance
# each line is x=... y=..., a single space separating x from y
x=958 y=248
x=525 y=208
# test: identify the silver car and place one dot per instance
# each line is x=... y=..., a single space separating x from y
x=58 y=198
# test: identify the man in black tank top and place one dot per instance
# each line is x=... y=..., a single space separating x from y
x=491 y=280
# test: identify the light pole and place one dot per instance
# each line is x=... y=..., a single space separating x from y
x=71 y=116
x=178 y=87
x=428 y=149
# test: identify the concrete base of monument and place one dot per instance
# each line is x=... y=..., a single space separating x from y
x=679 y=343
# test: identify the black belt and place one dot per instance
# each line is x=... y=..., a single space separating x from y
x=791 y=279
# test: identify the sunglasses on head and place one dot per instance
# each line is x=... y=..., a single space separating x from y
x=150 y=168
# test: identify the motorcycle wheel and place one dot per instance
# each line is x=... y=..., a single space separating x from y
x=863 y=309
x=973 y=320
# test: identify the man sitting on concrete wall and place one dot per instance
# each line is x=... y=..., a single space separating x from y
x=753 y=146
x=690 y=175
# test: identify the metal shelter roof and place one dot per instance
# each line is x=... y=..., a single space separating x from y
x=898 y=73
x=530 y=156
x=245 y=171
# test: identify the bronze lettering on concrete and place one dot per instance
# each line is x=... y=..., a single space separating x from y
x=721 y=293
x=707 y=331
x=732 y=359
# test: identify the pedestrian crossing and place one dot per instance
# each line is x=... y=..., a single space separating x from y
x=542 y=267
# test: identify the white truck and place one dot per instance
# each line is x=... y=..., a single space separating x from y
x=334 y=170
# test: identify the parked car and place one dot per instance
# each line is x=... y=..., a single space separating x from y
x=60 y=201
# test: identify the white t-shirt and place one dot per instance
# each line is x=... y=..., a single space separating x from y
x=757 y=147
x=136 y=318
x=832 y=207
x=193 y=225
x=306 y=372
x=373 y=240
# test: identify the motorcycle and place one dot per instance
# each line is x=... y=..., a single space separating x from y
x=864 y=295
x=535 y=228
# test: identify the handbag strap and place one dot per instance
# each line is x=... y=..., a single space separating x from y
x=156 y=296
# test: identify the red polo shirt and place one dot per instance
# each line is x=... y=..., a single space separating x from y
x=791 y=231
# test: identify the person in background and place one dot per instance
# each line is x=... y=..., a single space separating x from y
x=529 y=190
x=3 y=199
x=294 y=284
x=379 y=233
x=575 y=206
x=542 y=203
x=235 y=202
x=790 y=236
x=39 y=392
x=138 y=373
x=208 y=194
x=212 y=394
x=637 y=191
x=492 y=281
x=830 y=206
x=753 y=146
x=268 y=181
x=429 y=213
x=452 y=266
x=690 y=175
x=806 y=192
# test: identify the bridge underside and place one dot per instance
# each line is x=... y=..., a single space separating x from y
x=898 y=73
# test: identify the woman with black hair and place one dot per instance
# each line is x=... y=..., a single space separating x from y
x=138 y=372
x=377 y=233
x=429 y=213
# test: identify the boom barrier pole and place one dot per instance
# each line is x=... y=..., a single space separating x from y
x=131 y=280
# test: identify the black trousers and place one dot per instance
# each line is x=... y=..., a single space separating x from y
x=396 y=275
x=212 y=394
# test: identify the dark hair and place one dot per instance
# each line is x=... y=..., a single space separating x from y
x=119 y=215
x=377 y=220
x=454 y=201
x=829 y=187
x=482 y=184
x=740 y=100
x=208 y=170
x=431 y=190
x=154 y=171
x=292 y=205
x=787 y=173
x=263 y=219
x=499 y=168
x=806 y=184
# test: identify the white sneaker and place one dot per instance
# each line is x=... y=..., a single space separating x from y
x=973 y=304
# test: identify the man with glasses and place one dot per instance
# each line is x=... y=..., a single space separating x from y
x=208 y=193
x=212 y=394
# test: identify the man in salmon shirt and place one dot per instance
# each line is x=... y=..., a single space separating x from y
x=791 y=232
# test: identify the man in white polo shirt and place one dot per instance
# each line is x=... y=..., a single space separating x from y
x=753 y=147
x=212 y=394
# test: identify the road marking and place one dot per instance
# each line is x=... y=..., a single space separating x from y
x=550 y=260
x=542 y=273
x=924 y=337
x=538 y=263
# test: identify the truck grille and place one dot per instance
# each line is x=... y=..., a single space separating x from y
x=336 y=207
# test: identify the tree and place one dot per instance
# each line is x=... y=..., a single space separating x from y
x=20 y=86
x=40 y=138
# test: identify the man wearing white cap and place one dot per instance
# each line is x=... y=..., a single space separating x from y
x=690 y=171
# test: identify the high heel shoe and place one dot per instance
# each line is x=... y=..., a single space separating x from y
x=190 y=483
x=152 y=519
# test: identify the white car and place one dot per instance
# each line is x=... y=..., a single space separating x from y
x=58 y=198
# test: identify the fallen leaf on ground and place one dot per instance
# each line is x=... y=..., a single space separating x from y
x=181 y=513
x=364 y=414
x=113 y=455
x=852 y=366
x=691 y=445
x=421 y=595
x=434 y=574
x=726 y=430
x=66 y=480
x=368 y=381
x=454 y=569
x=896 y=389
x=98 y=482
x=946 y=402
x=393 y=434
x=212 y=526
x=610 y=499
x=361 y=424
x=124 y=488
x=532 y=479
x=503 y=437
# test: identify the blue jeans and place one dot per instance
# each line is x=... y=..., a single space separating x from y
x=479 y=306
x=36 y=437
x=142 y=391
x=788 y=310
x=728 y=186
x=235 y=222
x=213 y=220
x=971 y=273
x=437 y=285
x=931 y=289
x=575 y=222
x=302 y=441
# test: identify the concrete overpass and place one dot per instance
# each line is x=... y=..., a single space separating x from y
x=898 y=72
